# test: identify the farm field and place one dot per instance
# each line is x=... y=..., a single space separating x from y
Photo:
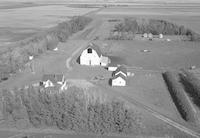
x=146 y=86
x=20 y=23
x=188 y=15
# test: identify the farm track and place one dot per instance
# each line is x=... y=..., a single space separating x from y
x=88 y=35
x=158 y=115
x=32 y=132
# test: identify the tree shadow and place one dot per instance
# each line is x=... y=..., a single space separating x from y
x=174 y=97
x=190 y=90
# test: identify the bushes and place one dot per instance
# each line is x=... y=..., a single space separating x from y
x=155 y=27
x=75 y=110
x=192 y=85
x=12 y=107
x=180 y=98
x=14 y=58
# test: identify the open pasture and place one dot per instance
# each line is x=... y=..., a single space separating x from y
x=20 y=23
x=162 y=55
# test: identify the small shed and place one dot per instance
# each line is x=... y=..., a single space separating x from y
x=112 y=66
x=30 y=57
x=161 y=36
x=55 y=49
x=150 y=36
x=119 y=80
x=145 y=35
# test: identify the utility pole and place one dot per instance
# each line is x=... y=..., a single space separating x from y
x=31 y=64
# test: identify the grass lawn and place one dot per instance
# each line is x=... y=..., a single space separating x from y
x=163 y=55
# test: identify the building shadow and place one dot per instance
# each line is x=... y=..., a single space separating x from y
x=110 y=82
x=78 y=60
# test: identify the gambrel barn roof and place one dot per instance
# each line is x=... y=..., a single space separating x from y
x=96 y=48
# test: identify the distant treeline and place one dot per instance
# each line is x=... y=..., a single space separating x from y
x=155 y=27
x=14 y=58
x=73 y=109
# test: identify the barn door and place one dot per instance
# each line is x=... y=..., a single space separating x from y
x=90 y=62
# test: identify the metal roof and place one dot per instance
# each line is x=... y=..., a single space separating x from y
x=120 y=68
x=119 y=75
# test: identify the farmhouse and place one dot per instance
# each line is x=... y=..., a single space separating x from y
x=51 y=80
x=92 y=56
x=120 y=70
x=119 y=76
x=119 y=80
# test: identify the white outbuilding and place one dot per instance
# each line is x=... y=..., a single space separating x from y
x=112 y=66
x=51 y=80
x=119 y=80
x=161 y=36
x=104 y=61
x=145 y=35
x=150 y=36
x=30 y=57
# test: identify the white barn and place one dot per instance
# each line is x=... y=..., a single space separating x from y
x=119 y=80
x=92 y=56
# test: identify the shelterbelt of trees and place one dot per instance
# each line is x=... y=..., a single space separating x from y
x=156 y=27
x=73 y=109
x=14 y=58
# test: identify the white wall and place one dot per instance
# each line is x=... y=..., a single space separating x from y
x=118 y=82
x=48 y=83
x=87 y=58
